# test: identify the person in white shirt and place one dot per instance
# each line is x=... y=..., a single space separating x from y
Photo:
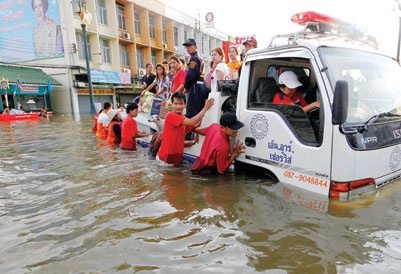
x=221 y=72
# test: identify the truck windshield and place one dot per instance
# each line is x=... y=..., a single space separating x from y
x=374 y=84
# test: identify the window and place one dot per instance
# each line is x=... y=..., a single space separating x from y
x=105 y=49
x=154 y=59
x=121 y=17
x=137 y=23
x=175 y=36
x=308 y=127
x=76 y=4
x=101 y=11
x=139 y=58
x=152 y=27
x=124 y=60
x=81 y=47
x=185 y=35
x=164 y=32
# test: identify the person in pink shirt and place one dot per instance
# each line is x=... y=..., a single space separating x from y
x=215 y=156
x=179 y=76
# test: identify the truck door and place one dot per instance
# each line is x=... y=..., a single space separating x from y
x=291 y=145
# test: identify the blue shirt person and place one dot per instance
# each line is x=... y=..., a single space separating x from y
x=197 y=94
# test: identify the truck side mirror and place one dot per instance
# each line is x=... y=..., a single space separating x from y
x=340 y=103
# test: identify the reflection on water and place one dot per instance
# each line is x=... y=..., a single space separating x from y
x=72 y=204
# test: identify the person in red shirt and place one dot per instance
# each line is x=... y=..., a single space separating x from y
x=173 y=142
x=288 y=84
x=129 y=129
x=178 y=80
x=215 y=154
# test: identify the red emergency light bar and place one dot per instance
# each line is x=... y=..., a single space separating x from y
x=322 y=23
x=311 y=16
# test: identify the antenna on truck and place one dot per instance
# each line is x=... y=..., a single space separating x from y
x=320 y=25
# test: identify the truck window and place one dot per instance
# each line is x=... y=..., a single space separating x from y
x=263 y=87
x=372 y=81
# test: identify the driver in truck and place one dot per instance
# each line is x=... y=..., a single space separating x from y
x=288 y=94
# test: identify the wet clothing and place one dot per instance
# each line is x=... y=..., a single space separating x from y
x=149 y=80
x=102 y=123
x=114 y=134
x=128 y=129
x=215 y=152
x=95 y=116
x=172 y=147
x=297 y=99
x=197 y=93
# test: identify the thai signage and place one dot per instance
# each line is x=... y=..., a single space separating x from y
x=110 y=77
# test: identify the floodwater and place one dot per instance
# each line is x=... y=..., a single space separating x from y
x=72 y=204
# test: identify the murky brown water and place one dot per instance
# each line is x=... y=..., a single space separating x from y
x=72 y=204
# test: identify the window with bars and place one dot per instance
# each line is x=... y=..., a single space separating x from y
x=164 y=32
x=139 y=58
x=105 y=50
x=153 y=55
x=76 y=4
x=137 y=23
x=175 y=36
x=152 y=27
x=101 y=12
x=124 y=59
x=121 y=17
x=81 y=46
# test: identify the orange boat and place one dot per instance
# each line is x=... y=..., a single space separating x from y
x=18 y=117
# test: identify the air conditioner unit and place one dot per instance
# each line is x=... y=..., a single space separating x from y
x=141 y=72
x=164 y=46
x=126 y=35
x=127 y=70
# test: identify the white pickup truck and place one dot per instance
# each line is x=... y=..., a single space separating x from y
x=348 y=147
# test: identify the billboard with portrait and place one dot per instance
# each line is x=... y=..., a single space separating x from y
x=29 y=30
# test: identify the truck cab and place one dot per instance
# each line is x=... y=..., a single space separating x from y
x=349 y=146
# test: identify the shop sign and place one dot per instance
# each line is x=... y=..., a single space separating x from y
x=98 y=91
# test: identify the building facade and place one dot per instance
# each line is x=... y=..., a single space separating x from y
x=122 y=37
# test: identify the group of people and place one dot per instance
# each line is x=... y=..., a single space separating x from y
x=216 y=155
x=115 y=129
x=6 y=111
x=174 y=75
x=185 y=89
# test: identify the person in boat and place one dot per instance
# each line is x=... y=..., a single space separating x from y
x=215 y=156
x=173 y=142
x=129 y=129
x=43 y=113
x=22 y=109
x=289 y=95
x=103 y=121
x=6 y=110
x=114 y=132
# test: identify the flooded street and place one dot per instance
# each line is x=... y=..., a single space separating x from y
x=72 y=204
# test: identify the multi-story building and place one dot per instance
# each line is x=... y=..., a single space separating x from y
x=122 y=37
